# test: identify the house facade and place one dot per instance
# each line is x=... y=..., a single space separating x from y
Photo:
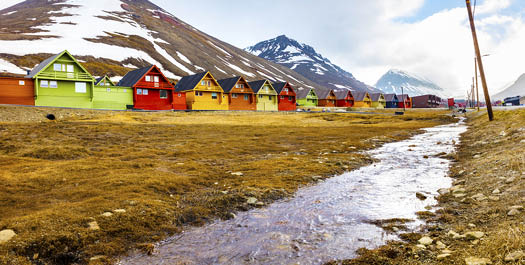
x=391 y=101
x=405 y=101
x=61 y=81
x=240 y=94
x=345 y=99
x=266 y=95
x=17 y=91
x=378 y=100
x=362 y=100
x=151 y=89
x=202 y=92
x=106 y=95
x=327 y=98
x=307 y=98
x=286 y=96
x=426 y=101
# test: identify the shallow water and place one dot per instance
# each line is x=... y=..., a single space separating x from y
x=326 y=221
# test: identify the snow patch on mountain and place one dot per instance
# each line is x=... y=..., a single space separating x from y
x=516 y=88
x=397 y=81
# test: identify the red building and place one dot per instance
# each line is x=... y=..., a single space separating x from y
x=344 y=99
x=152 y=90
x=405 y=101
x=287 y=98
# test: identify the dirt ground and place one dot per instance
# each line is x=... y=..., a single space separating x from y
x=481 y=219
x=93 y=185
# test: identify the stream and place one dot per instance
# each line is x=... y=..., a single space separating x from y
x=328 y=221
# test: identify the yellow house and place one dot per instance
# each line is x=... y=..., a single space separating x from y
x=362 y=100
x=266 y=95
x=378 y=100
x=203 y=92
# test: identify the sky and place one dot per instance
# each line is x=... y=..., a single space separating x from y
x=430 y=38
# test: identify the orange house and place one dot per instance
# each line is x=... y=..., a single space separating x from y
x=17 y=91
x=240 y=94
x=327 y=97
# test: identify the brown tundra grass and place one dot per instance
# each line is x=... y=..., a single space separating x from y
x=166 y=170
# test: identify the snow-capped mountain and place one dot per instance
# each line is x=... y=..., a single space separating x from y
x=115 y=36
x=515 y=89
x=306 y=61
x=395 y=81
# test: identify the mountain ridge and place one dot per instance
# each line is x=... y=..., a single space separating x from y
x=517 y=88
x=397 y=81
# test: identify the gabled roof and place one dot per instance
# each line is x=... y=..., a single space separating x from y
x=257 y=85
x=403 y=97
x=391 y=97
x=47 y=62
x=229 y=83
x=133 y=77
x=376 y=96
x=189 y=82
x=360 y=96
x=100 y=79
x=280 y=86
x=342 y=94
x=324 y=93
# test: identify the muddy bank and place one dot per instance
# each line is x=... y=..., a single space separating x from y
x=481 y=220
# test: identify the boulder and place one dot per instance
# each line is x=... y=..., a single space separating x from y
x=6 y=235
x=440 y=245
x=238 y=174
x=93 y=226
x=513 y=212
x=251 y=200
x=510 y=180
x=515 y=256
x=443 y=256
x=107 y=214
x=119 y=211
x=477 y=261
x=425 y=241
x=474 y=235
x=421 y=196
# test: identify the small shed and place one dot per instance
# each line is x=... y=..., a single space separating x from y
x=378 y=100
x=327 y=97
x=266 y=95
x=345 y=98
x=203 y=92
x=240 y=94
x=286 y=96
x=391 y=101
x=306 y=97
x=17 y=91
x=362 y=100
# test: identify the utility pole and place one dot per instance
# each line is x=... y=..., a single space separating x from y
x=404 y=101
x=480 y=62
x=476 y=75
x=473 y=94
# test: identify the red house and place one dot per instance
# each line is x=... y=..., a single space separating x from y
x=152 y=90
x=344 y=99
x=287 y=98
x=405 y=101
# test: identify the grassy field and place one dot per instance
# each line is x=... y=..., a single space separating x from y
x=93 y=184
x=488 y=196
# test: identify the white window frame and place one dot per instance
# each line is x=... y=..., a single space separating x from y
x=80 y=87
x=148 y=78
x=70 y=68
x=156 y=79
x=44 y=83
x=57 y=67
x=163 y=91
x=21 y=83
x=285 y=89
x=214 y=94
x=53 y=84
x=234 y=95
x=145 y=92
x=139 y=91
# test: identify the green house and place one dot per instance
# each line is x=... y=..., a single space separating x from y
x=106 y=95
x=61 y=81
x=306 y=97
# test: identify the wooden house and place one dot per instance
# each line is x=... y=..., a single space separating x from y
x=266 y=95
x=426 y=101
x=286 y=96
x=392 y=101
x=345 y=98
x=306 y=97
x=151 y=89
x=61 y=81
x=362 y=100
x=106 y=95
x=203 y=92
x=240 y=94
x=405 y=101
x=378 y=100
x=17 y=91
x=327 y=97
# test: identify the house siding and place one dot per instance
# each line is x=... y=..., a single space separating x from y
x=112 y=97
x=17 y=91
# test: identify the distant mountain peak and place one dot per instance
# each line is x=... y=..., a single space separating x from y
x=516 y=88
x=304 y=59
x=397 y=81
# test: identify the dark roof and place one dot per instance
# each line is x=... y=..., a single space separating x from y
x=323 y=93
x=375 y=96
x=303 y=92
x=279 y=86
x=133 y=77
x=403 y=97
x=391 y=97
x=43 y=65
x=257 y=85
x=341 y=94
x=359 y=96
x=189 y=82
x=228 y=84
x=99 y=79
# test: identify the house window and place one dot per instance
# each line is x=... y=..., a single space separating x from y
x=180 y=95
x=70 y=68
x=163 y=94
x=156 y=79
x=209 y=83
x=282 y=97
x=203 y=83
x=246 y=97
x=80 y=87
x=145 y=92
x=260 y=96
x=239 y=86
x=270 y=97
x=139 y=91
x=53 y=84
x=57 y=67
x=124 y=90
x=214 y=95
x=44 y=83
x=21 y=82
x=148 y=78
x=290 y=98
x=285 y=89
x=234 y=95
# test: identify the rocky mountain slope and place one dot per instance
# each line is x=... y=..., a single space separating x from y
x=413 y=85
x=516 y=89
x=306 y=61
x=114 y=36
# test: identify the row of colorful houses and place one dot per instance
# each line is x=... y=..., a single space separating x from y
x=61 y=81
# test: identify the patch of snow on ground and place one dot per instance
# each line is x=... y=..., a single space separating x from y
x=8 y=67
x=265 y=75
x=184 y=58
x=298 y=58
x=10 y=13
x=245 y=63
x=294 y=66
x=291 y=77
x=220 y=70
x=129 y=66
x=220 y=49
x=291 y=49
x=199 y=68
x=238 y=69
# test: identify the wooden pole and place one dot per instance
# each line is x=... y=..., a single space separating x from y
x=477 y=85
x=480 y=62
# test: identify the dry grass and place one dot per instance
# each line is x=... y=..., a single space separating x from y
x=165 y=169
x=490 y=154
